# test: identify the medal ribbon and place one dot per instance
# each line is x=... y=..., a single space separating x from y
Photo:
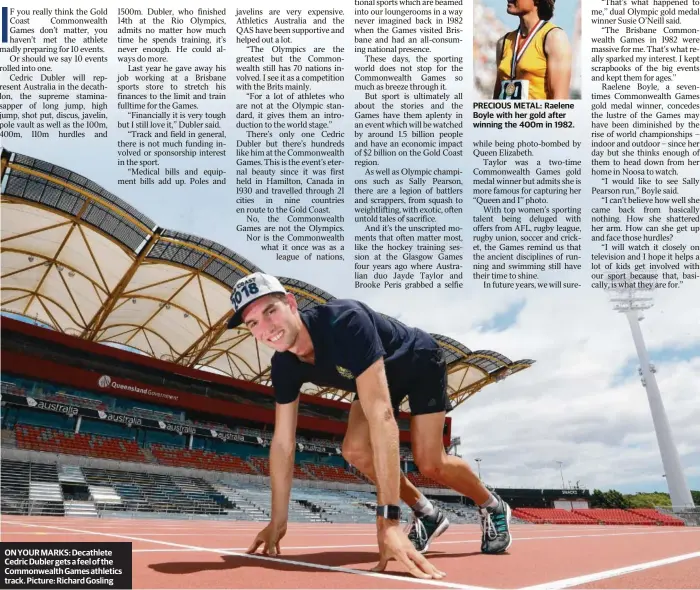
x=517 y=55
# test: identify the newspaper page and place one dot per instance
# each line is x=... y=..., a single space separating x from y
x=507 y=174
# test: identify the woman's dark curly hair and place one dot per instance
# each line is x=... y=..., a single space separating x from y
x=545 y=9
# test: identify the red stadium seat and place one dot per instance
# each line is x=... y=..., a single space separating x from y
x=552 y=516
x=69 y=443
x=200 y=459
x=331 y=473
x=615 y=516
x=262 y=464
x=658 y=517
x=418 y=479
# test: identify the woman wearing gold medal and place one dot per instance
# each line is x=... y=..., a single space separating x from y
x=534 y=61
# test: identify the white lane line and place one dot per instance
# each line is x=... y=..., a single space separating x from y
x=248 y=526
x=344 y=570
x=569 y=582
x=438 y=542
x=314 y=528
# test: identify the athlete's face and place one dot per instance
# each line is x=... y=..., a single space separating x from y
x=520 y=7
x=272 y=321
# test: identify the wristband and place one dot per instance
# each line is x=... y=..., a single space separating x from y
x=390 y=512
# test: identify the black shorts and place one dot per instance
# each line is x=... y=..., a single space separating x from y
x=427 y=388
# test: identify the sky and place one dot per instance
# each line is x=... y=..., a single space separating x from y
x=582 y=403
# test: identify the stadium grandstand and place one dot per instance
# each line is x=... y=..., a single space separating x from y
x=123 y=393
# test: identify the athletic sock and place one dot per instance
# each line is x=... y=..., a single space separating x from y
x=423 y=507
x=492 y=502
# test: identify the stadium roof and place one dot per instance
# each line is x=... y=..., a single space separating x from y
x=82 y=261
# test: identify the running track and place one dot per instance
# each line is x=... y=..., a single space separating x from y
x=211 y=554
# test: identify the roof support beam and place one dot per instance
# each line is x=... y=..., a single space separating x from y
x=203 y=343
x=90 y=333
x=52 y=261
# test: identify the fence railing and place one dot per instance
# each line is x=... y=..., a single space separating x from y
x=688 y=514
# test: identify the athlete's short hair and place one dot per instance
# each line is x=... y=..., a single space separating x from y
x=545 y=9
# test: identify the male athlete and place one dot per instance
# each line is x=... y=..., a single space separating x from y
x=346 y=345
x=534 y=61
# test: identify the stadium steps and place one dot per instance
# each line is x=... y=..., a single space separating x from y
x=45 y=495
x=201 y=491
x=161 y=489
x=70 y=474
x=321 y=513
x=14 y=486
x=235 y=511
x=131 y=496
x=302 y=468
x=250 y=509
x=342 y=507
x=150 y=492
x=104 y=495
x=357 y=473
x=262 y=465
x=147 y=453
x=78 y=508
x=8 y=439
x=298 y=512
x=261 y=498
x=255 y=469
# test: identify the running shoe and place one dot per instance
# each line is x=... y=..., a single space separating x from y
x=424 y=529
x=495 y=528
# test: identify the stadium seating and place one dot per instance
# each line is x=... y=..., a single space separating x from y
x=614 y=516
x=30 y=488
x=39 y=488
x=74 y=400
x=421 y=481
x=200 y=459
x=458 y=513
x=657 y=516
x=553 y=516
x=156 y=493
x=70 y=443
x=14 y=487
x=331 y=473
x=341 y=507
x=93 y=445
x=524 y=516
x=262 y=464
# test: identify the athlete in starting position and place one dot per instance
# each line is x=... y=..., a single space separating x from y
x=346 y=345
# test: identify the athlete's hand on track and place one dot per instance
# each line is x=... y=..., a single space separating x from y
x=395 y=544
x=269 y=538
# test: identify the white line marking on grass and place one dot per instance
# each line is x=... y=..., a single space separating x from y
x=331 y=568
x=569 y=582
